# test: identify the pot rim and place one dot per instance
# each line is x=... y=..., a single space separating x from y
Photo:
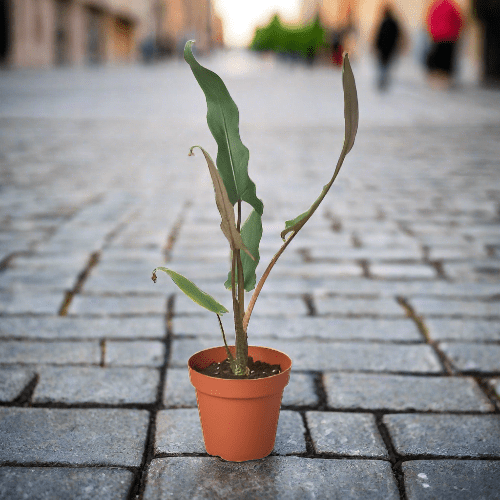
x=233 y=348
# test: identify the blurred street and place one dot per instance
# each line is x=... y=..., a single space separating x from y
x=388 y=302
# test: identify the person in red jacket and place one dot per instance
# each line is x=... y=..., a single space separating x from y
x=444 y=23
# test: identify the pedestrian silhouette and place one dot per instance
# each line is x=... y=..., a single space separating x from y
x=386 y=45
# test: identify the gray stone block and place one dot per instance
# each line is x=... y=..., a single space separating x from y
x=449 y=307
x=350 y=434
x=96 y=385
x=380 y=288
x=318 y=270
x=116 y=306
x=123 y=282
x=373 y=254
x=300 y=390
x=140 y=353
x=290 y=434
x=396 y=392
x=496 y=386
x=452 y=479
x=178 y=389
x=58 y=353
x=473 y=357
x=58 y=327
x=73 y=437
x=12 y=382
x=61 y=483
x=178 y=431
x=445 y=435
x=27 y=302
x=55 y=279
x=359 y=307
x=468 y=330
x=402 y=271
x=333 y=356
x=480 y=270
x=306 y=327
x=280 y=478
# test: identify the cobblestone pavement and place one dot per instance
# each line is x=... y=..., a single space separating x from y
x=388 y=302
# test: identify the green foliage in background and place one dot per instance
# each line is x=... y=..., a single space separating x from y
x=303 y=41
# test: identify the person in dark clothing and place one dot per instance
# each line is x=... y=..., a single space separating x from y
x=386 y=45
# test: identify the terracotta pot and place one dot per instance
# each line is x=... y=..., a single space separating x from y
x=238 y=417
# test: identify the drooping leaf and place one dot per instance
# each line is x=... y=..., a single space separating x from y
x=351 y=117
x=251 y=233
x=223 y=122
x=192 y=291
x=226 y=210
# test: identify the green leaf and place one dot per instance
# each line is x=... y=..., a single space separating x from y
x=226 y=210
x=251 y=233
x=192 y=291
x=223 y=122
x=351 y=117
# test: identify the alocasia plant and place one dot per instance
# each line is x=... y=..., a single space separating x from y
x=233 y=186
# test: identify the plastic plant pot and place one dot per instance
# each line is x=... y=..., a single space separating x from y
x=239 y=417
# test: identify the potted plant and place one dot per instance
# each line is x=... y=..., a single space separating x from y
x=239 y=388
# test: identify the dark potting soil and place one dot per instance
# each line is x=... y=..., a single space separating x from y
x=258 y=369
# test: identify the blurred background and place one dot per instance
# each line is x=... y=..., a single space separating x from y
x=46 y=33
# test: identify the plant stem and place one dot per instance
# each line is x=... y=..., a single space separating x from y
x=262 y=280
x=228 y=352
x=238 y=293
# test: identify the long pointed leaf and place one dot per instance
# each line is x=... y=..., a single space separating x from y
x=192 y=291
x=226 y=210
x=351 y=117
x=251 y=233
x=223 y=122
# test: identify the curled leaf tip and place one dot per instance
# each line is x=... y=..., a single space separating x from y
x=154 y=277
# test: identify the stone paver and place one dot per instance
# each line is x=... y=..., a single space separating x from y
x=87 y=305
x=96 y=385
x=57 y=327
x=73 y=437
x=438 y=307
x=277 y=477
x=178 y=431
x=402 y=272
x=451 y=479
x=395 y=392
x=12 y=382
x=58 y=353
x=27 y=302
x=463 y=330
x=335 y=356
x=473 y=357
x=351 y=434
x=359 y=307
x=41 y=483
x=445 y=435
x=93 y=353
x=309 y=327
x=144 y=353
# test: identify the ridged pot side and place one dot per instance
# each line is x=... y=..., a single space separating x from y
x=239 y=418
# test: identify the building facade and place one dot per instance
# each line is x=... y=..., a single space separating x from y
x=38 y=33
